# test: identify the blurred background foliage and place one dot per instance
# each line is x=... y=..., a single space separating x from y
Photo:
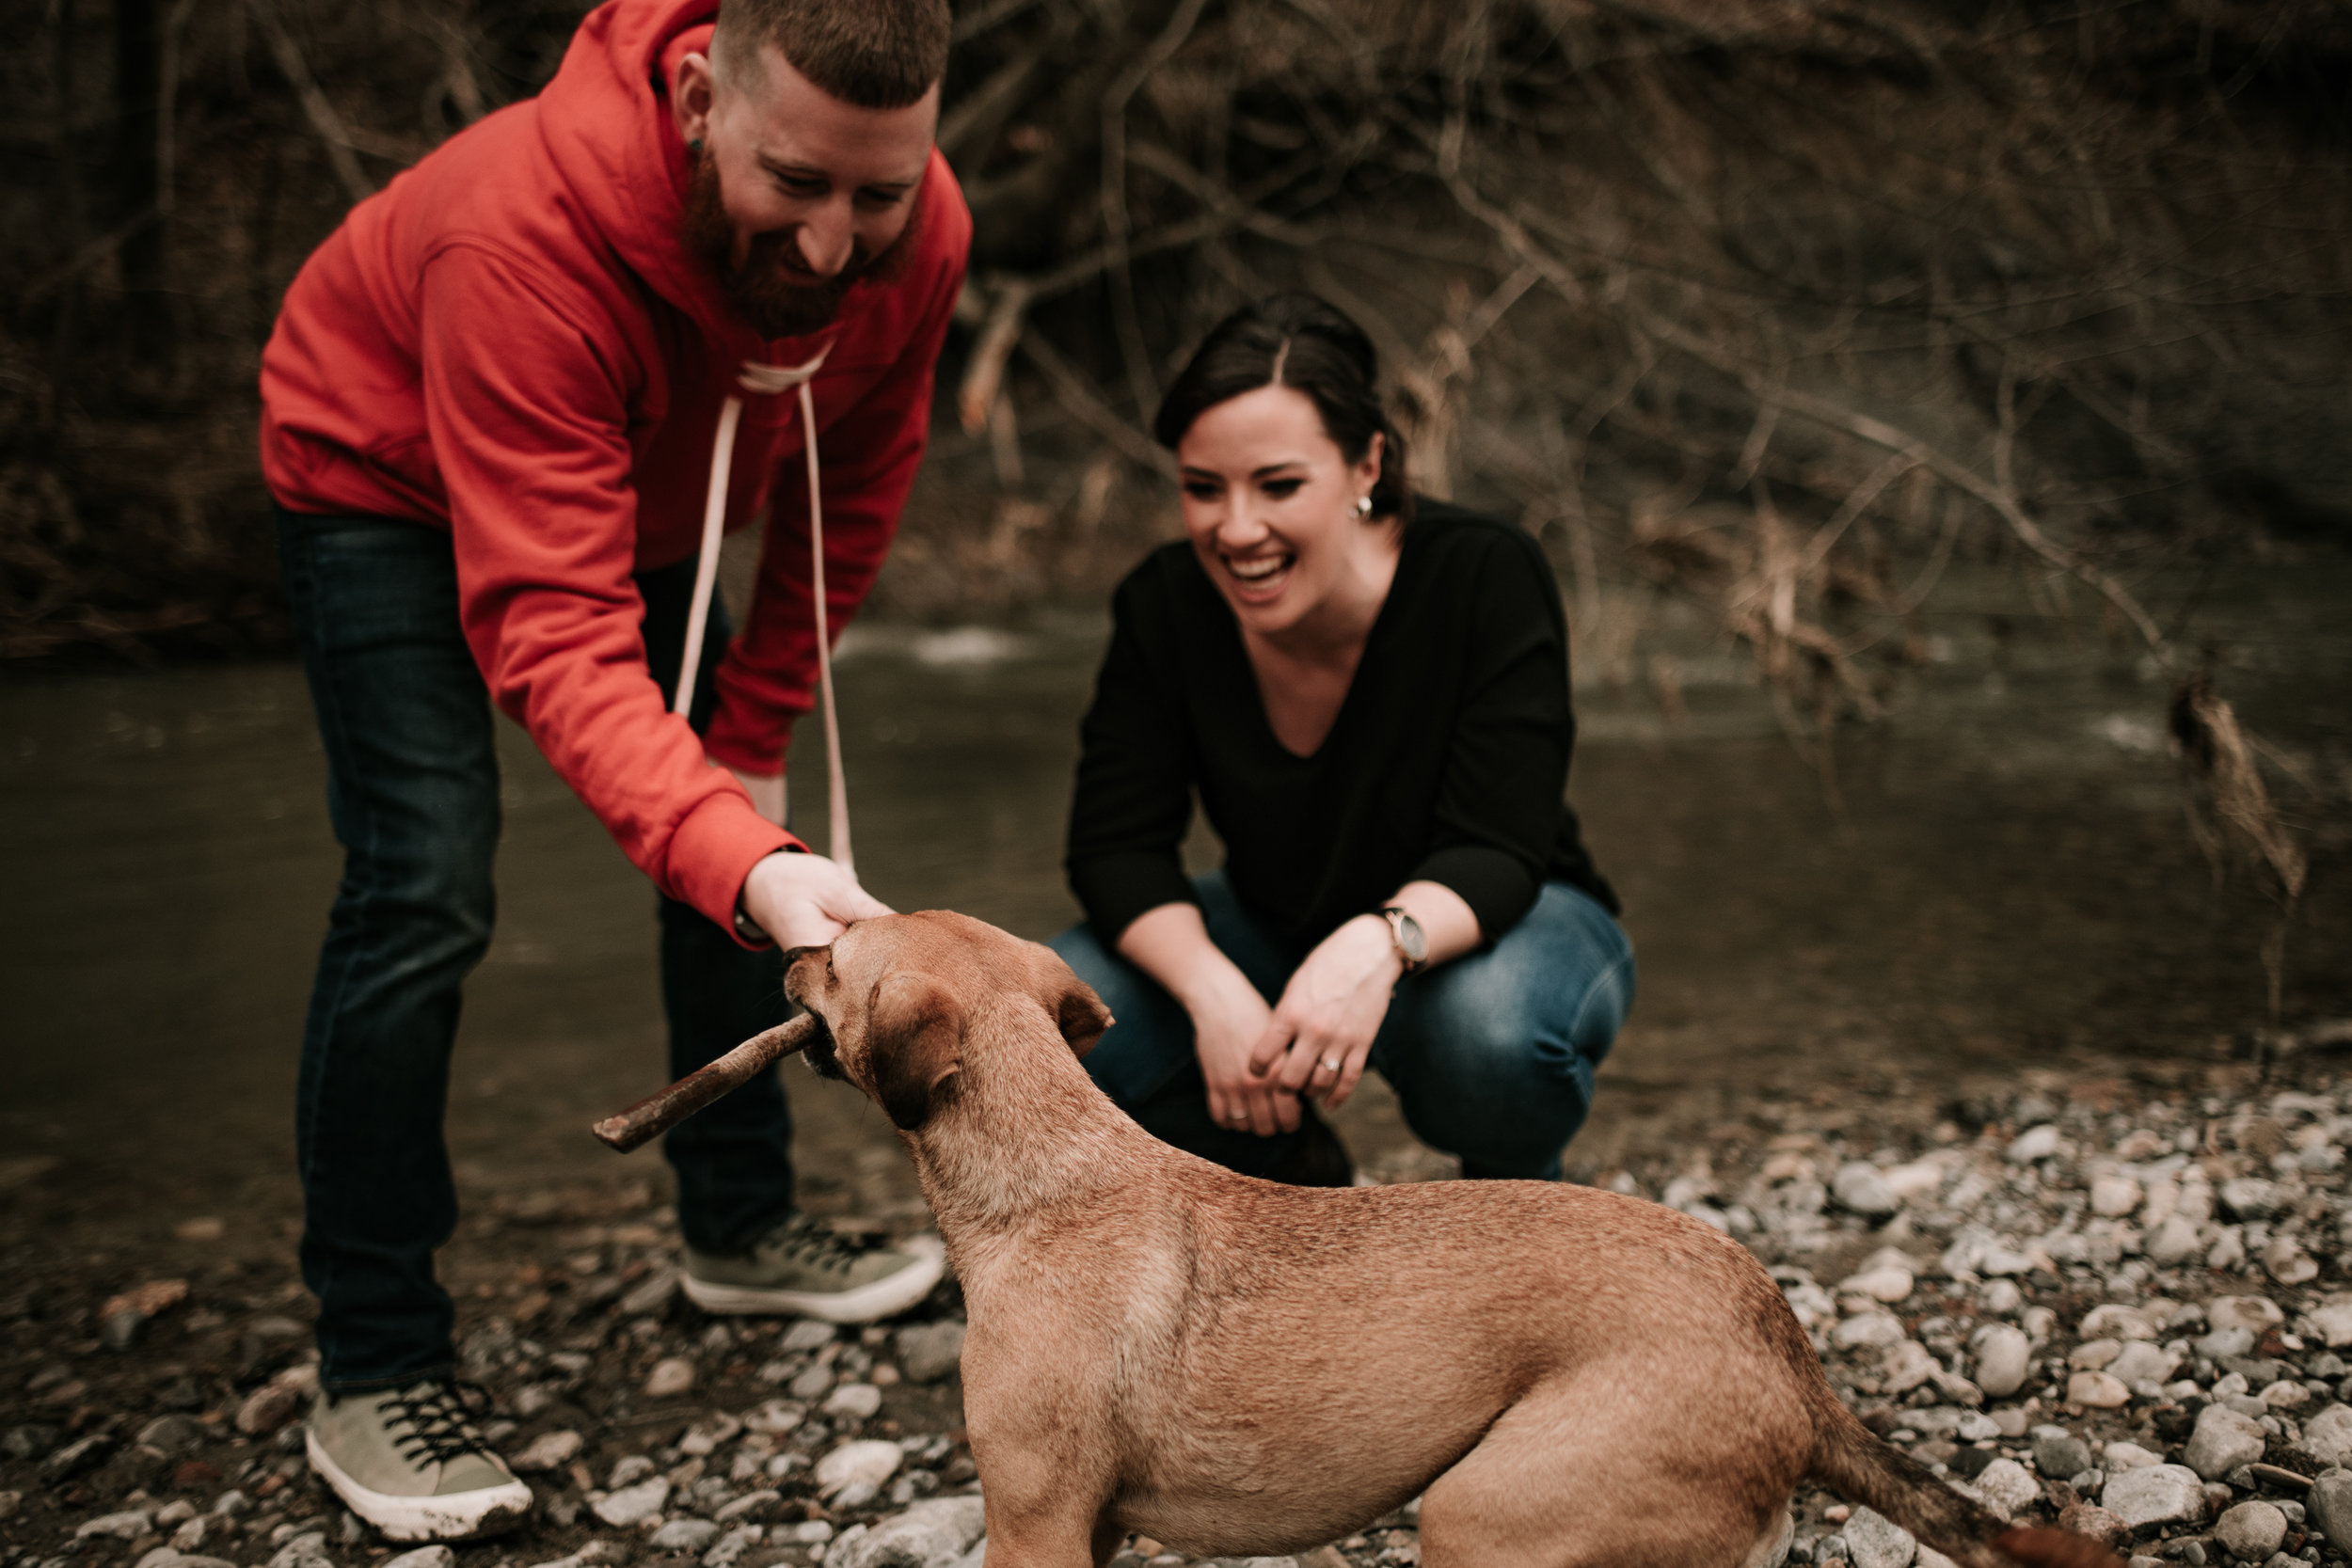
x=1784 y=304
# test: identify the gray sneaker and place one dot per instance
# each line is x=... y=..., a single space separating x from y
x=410 y=1462
x=805 y=1266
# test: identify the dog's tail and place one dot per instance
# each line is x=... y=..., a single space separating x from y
x=1852 y=1462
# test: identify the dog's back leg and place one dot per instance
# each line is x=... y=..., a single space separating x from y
x=1569 y=1478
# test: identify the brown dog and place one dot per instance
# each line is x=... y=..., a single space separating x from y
x=1567 y=1377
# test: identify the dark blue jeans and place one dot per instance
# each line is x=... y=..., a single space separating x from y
x=1492 y=1056
x=413 y=791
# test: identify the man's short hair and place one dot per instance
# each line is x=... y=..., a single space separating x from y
x=875 y=54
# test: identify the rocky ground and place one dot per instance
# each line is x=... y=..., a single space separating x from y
x=2118 y=1303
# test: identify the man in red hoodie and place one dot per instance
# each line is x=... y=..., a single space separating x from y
x=490 y=405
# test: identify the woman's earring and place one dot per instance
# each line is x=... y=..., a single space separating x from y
x=1363 y=506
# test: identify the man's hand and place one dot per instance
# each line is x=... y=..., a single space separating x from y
x=805 y=900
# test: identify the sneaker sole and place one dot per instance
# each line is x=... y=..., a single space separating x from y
x=885 y=1297
x=459 y=1516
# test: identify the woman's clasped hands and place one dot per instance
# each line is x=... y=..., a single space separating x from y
x=1315 y=1042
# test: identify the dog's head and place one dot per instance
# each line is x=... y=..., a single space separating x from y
x=895 y=997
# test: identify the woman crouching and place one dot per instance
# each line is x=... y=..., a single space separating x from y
x=1369 y=693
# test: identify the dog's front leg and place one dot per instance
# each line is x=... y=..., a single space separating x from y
x=1050 y=1542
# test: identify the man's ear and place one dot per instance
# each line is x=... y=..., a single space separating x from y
x=913 y=1044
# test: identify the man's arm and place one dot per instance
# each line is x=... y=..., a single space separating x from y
x=528 y=423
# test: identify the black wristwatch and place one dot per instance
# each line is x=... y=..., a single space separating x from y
x=1411 y=944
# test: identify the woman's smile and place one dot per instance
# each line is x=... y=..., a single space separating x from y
x=1259 y=577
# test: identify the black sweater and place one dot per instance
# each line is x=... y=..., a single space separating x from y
x=1448 y=761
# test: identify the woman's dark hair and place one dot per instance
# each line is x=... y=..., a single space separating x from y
x=1310 y=345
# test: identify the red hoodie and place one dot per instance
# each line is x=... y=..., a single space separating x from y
x=511 y=341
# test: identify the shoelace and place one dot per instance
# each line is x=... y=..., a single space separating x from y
x=821 y=1245
x=430 y=1425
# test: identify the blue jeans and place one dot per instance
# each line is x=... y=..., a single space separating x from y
x=1492 y=1055
x=413 y=792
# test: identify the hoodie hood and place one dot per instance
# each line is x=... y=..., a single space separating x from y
x=607 y=125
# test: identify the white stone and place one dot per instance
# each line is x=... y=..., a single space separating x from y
x=729 y=1549
x=1859 y=1186
x=684 y=1535
x=2328 y=1436
x=2093 y=1354
x=2117 y=1457
x=2251 y=1530
x=1879 y=1329
x=2007 y=1487
x=1921 y=1178
x=127 y=1525
x=547 y=1451
x=1875 y=1541
x=2004 y=1356
x=1908 y=1364
x=2097 y=1391
x=774 y=1418
x=1882 y=1284
x=303 y=1550
x=2221 y=1441
x=2142 y=1362
x=807 y=1334
x=2255 y=1314
x=866 y=1463
x=750 y=1503
x=2331 y=1320
x=424 y=1556
x=2113 y=1195
x=857 y=1400
x=2285 y=1262
x=931 y=1534
x=2035 y=1142
x=2330 y=1502
x=2175 y=1240
x=2251 y=1197
x=670 y=1376
x=2158 y=1494
x=2001 y=1297
x=2117 y=1322
x=632 y=1504
x=2285 y=1395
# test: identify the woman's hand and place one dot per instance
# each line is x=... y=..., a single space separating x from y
x=1171 y=944
x=1321 y=1031
x=1227 y=1020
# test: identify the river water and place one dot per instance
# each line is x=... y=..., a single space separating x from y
x=2008 y=887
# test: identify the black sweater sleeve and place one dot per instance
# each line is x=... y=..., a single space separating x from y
x=1134 y=797
x=1499 y=799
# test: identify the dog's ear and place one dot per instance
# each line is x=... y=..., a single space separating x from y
x=1081 y=1016
x=913 y=1044
x=1077 y=1012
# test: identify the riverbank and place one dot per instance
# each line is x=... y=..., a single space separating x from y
x=2116 y=1303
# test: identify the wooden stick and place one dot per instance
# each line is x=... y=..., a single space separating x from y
x=657 y=1113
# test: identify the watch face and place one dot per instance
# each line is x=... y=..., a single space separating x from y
x=1409 y=940
x=1409 y=935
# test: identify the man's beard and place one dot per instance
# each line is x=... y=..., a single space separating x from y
x=774 y=291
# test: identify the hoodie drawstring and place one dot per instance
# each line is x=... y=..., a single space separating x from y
x=767 y=380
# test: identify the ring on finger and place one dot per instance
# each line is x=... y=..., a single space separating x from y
x=1330 y=1065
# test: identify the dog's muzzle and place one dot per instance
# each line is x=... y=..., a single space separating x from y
x=823 y=1058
